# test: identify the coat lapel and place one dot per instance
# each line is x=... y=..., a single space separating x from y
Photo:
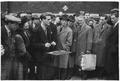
x=82 y=29
x=43 y=32
x=103 y=29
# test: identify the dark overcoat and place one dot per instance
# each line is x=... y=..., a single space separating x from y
x=37 y=43
x=100 y=42
x=84 y=42
x=111 y=51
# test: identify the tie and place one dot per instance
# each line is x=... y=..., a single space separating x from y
x=45 y=32
x=61 y=29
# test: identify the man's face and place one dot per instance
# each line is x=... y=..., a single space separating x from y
x=90 y=23
x=87 y=15
x=81 y=21
x=64 y=22
x=47 y=20
x=102 y=20
x=70 y=23
x=26 y=26
x=36 y=21
x=13 y=26
x=57 y=20
x=114 y=19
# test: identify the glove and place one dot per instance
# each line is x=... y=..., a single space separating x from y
x=53 y=43
x=47 y=45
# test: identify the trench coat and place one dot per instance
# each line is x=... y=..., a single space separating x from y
x=64 y=42
x=84 y=42
x=100 y=43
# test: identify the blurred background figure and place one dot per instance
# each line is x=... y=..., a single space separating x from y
x=100 y=36
x=87 y=17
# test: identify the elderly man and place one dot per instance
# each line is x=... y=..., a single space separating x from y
x=111 y=49
x=84 y=40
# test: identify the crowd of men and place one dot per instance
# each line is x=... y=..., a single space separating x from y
x=25 y=42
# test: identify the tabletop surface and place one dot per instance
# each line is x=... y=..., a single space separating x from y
x=59 y=52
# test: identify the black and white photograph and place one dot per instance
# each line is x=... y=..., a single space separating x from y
x=59 y=40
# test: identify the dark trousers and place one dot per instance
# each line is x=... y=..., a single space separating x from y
x=63 y=74
x=32 y=74
x=70 y=73
x=45 y=72
x=25 y=71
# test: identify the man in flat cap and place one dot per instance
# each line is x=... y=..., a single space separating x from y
x=9 y=63
x=111 y=49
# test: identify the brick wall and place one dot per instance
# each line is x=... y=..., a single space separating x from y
x=36 y=7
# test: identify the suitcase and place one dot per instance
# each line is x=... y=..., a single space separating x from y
x=88 y=62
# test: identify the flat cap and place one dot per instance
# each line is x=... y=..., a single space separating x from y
x=12 y=18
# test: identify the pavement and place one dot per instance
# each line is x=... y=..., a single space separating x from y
x=78 y=78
